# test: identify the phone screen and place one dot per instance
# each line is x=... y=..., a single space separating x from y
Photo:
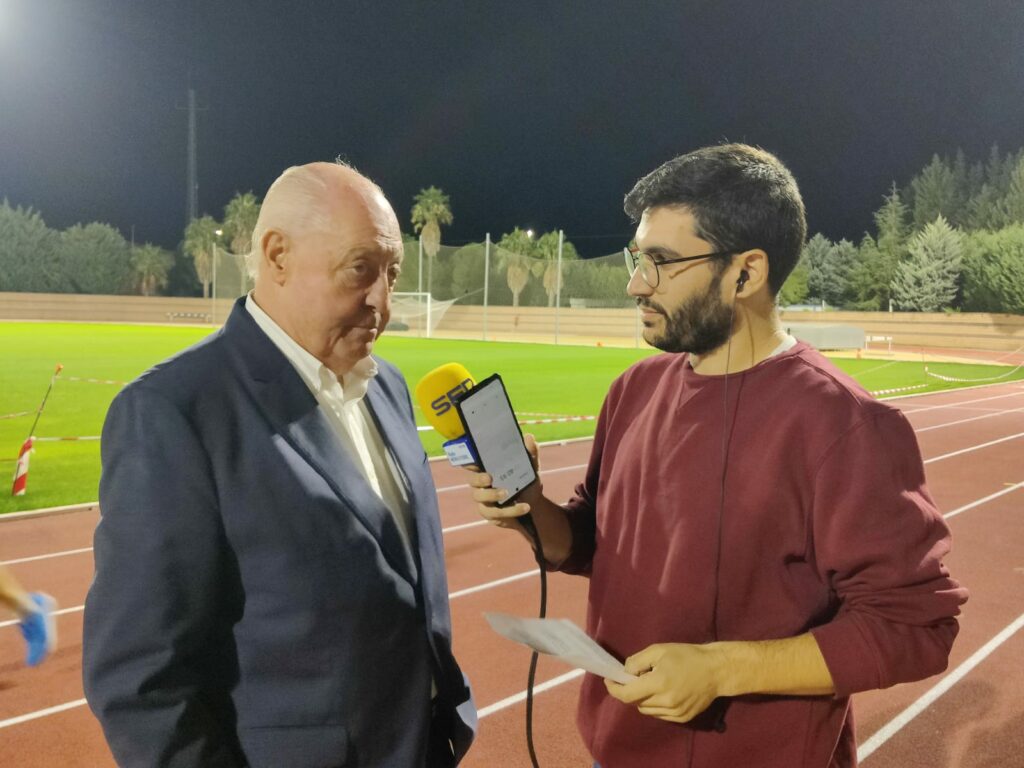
x=487 y=414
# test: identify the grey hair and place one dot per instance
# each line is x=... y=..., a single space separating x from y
x=295 y=202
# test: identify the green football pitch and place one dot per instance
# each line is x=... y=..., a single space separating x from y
x=544 y=382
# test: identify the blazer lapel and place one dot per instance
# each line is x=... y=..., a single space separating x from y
x=389 y=411
x=295 y=414
x=401 y=439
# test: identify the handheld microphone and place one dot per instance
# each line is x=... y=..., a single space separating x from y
x=435 y=394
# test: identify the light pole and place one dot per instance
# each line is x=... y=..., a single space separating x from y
x=213 y=277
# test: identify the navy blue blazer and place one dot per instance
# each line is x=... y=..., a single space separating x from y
x=254 y=602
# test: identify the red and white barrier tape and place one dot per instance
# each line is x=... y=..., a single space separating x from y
x=893 y=391
x=95 y=381
x=559 y=420
x=64 y=439
x=531 y=422
x=973 y=381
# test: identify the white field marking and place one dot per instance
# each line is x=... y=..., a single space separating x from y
x=979 y=502
x=972 y=418
x=872 y=370
x=521 y=696
x=893 y=727
x=974 y=448
x=46 y=557
x=41 y=713
x=61 y=612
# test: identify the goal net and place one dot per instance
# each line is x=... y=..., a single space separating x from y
x=416 y=314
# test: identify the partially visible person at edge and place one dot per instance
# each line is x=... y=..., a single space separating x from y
x=36 y=619
x=756 y=528
x=270 y=586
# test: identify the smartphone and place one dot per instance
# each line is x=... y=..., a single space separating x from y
x=486 y=413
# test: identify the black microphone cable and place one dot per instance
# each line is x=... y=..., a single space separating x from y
x=531 y=530
x=721 y=705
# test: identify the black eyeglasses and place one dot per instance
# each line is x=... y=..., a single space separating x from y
x=649 y=272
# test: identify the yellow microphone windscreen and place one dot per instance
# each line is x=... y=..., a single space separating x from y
x=434 y=394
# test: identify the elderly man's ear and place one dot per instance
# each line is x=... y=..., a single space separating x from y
x=275 y=249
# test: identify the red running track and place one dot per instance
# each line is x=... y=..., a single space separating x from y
x=970 y=717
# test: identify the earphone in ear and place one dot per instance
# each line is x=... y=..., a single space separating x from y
x=744 y=276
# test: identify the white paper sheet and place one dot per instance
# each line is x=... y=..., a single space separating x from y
x=563 y=640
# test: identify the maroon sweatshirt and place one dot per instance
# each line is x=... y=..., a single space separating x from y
x=826 y=526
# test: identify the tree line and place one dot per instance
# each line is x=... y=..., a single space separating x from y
x=952 y=239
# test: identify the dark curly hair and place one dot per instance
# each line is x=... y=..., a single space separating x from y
x=740 y=197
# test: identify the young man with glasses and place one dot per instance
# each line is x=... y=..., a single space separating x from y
x=756 y=528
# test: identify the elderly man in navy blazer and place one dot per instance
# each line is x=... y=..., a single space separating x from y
x=270 y=586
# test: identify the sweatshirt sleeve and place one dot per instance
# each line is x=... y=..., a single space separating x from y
x=581 y=509
x=880 y=542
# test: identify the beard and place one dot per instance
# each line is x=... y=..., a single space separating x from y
x=700 y=324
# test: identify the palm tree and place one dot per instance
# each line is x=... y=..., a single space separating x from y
x=515 y=252
x=200 y=241
x=151 y=264
x=547 y=249
x=431 y=208
x=240 y=217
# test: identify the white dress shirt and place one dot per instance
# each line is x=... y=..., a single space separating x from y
x=342 y=404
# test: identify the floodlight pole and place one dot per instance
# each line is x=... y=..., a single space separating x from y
x=213 y=285
x=558 y=283
x=419 y=269
x=487 y=276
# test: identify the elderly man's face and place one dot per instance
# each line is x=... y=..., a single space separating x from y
x=340 y=281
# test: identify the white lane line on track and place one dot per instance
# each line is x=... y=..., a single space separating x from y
x=960 y=403
x=521 y=696
x=893 y=727
x=451 y=595
x=979 y=502
x=464 y=526
x=555 y=471
x=45 y=557
x=974 y=448
x=482 y=713
x=492 y=584
x=41 y=713
x=972 y=418
x=61 y=612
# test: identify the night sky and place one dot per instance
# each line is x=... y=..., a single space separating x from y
x=538 y=114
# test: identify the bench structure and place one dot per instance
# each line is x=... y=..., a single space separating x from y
x=202 y=317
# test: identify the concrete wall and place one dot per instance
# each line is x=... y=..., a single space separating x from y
x=613 y=326
x=111 y=309
x=936 y=329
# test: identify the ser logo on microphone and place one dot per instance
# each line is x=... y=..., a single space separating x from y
x=443 y=404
